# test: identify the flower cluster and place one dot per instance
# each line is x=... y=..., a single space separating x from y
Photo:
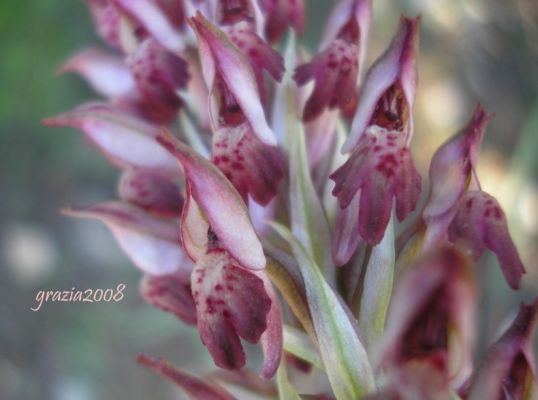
x=268 y=181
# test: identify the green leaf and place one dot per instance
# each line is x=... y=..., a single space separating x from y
x=308 y=220
x=282 y=279
x=298 y=344
x=285 y=389
x=343 y=354
x=377 y=288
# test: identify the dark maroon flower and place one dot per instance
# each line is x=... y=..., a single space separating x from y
x=335 y=70
x=279 y=14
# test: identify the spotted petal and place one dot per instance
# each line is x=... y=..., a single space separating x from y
x=480 y=223
x=251 y=166
x=231 y=303
x=158 y=74
x=107 y=21
x=380 y=169
x=222 y=205
x=151 y=190
x=170 y=294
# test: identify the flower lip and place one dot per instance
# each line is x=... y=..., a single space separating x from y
x=396 y=66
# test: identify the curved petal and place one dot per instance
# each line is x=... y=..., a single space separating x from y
x=452 y=165
x=124 y=139
x=151 y=243
x=106 y=73
x=151 y=190
x=396 y=66
x=220 y=56
x=155 y=21
x=225 y=210
x=479 y=223
x=196 y=387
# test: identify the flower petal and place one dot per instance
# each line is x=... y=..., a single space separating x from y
x=253 y=167
x=151 y=243
x=170 y=294
x=155 y=20
x=480 y=223
x=125 y=140
x=509 y=370
x=231 y=302
x=107 y=20
x=151 y=190
x=437 y=320
x=272 y=339
x=222 y=205
x=196 y=387
x=280 y=14
x=396 y=66
x=106 y=73
x=452 y=165
x=220 y=56
x=158 y=75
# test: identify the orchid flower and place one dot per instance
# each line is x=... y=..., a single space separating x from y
x=380 y=167
x=458 y=210
x=235 y=175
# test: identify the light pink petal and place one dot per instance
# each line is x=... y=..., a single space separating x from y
x=397 y=66
x=220 y=56
x=124 y=139
x=106 y=73
x=151 y=243
x=151 y=190
x=158 y=74
x=231 y=302
x=480 y=222
x=107 y=21
x=155 y=21
x=510 y=361
x=261 y=55
x=452 y=165
x=170 y=294
x=280 y=14
x=225 y=210
x=346 y=236
x=253 y=167
x=196 y=387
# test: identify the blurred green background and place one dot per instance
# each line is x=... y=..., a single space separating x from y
x=474 y=50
